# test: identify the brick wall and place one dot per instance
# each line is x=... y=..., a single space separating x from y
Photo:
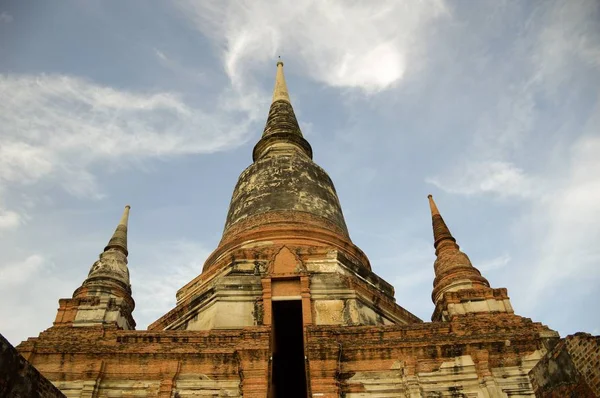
x=585 y=353
x=107 y=361
x=570 y=369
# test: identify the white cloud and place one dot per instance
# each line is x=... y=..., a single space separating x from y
x=22 y=162
x=566 y=224
x=9 y=219
x=494 y=263
x=62 y=129
x=539 y=143
x=569 y=35
x=156 y=294
x=45 y=115
x=187 y=74
x=359 y=44
x=5 y=17
x=34 y=280
x=27 y=281
x=558 y=222
x=20 y=272
x=409 y=269
x=538 y=99
x=498 y=178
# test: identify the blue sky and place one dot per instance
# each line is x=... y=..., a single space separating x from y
x=491 y=106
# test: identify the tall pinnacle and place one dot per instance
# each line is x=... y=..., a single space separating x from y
x=119 y=238
x=283 y=188
x=282 y=132
x=453 y=268
x=280 y=92
x=108 y=281
x=112 y=264
x=440 y=229
x=458 y=287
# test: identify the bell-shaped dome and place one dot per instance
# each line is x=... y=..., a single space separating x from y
x=283 y=177
x=286 y=182
x=283 y=192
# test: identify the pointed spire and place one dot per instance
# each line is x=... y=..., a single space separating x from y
x=280 y=92
x=457 y=282
x=440 y=229
x=432 y=206
x=453 y=268
x=112 y=264
x=282 y=133
x=119 y=238
x=108 y=283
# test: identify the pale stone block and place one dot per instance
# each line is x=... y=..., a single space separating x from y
x=353 y=311
x=330 y=266
x=367 y=316
x=496 y=305
x=477 y=306
x=508 y=306
x=236 y=314
x=381 y=384
x=200 y=385
x=329 y=312
x=203 y=320
x=89 y=315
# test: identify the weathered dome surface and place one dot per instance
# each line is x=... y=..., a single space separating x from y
x=283 y=178
x=284 y=197
x=291 y=182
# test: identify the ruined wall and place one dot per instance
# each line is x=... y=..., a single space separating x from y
x=470 y=356
x=570 y=369
x=106 y=362
x=18 y=378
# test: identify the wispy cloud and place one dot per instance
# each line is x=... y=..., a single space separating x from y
x=9 y=219
x=360 y=44
x=187 y=74
x=494 y=263
x=569 y=36
x=62 y=128
x=565 y=227
x=35 y=276
x=410 y=271
x=17 y=273
x=538 y=142
x=184 y=261
x=490 y=100
x=5 y=17
x=21 y=282
x=498 y=178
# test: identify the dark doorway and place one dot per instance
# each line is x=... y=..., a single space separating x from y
x=289 y=377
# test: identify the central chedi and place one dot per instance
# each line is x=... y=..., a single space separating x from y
x=285 y=240
x=285 y=258
x=287 y=306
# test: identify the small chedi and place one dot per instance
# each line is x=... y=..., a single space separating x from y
x=288 y=306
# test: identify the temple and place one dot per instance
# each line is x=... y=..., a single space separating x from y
x=288 y=306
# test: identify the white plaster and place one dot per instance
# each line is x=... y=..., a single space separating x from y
x=234 y=314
